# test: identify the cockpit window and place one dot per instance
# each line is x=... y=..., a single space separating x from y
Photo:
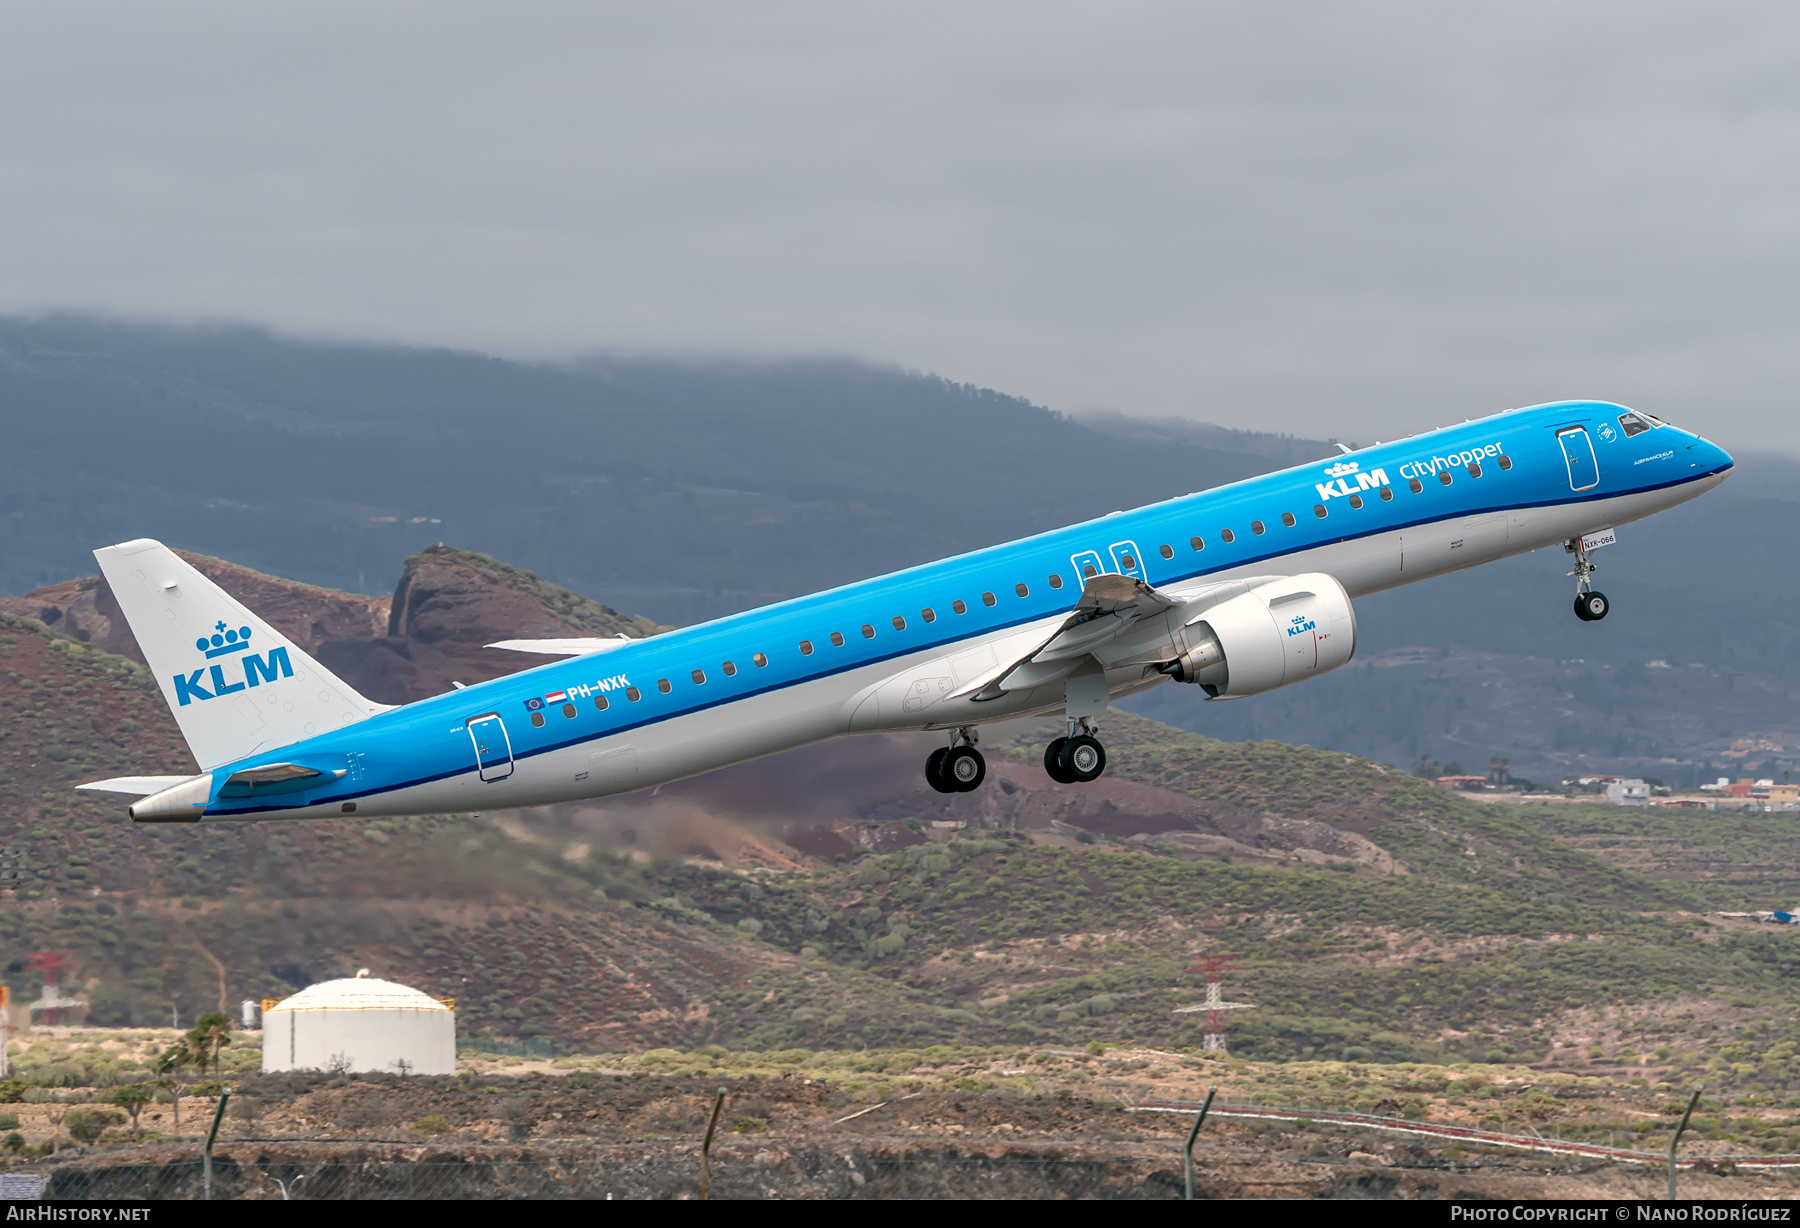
x=1652 y=419
x=1633 y=425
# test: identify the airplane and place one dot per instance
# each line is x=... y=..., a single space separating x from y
x=1235 y=591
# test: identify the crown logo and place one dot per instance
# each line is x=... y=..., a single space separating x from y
x=224 y=641
x=1341 y=468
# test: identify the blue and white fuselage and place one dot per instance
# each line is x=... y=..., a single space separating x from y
x=1239 y=589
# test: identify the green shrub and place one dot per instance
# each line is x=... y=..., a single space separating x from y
x=87 y=1125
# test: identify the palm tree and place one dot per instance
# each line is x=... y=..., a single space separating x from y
x=210 y=1033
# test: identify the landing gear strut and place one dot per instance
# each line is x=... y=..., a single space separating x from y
x=1590 y=605
x=1077 y=757
x=958 y=767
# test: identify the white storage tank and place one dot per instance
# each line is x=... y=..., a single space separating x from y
x=360 y=1023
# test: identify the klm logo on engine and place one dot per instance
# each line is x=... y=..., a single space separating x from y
x=1348 y=480
x=229 y=642
x=1300 y=624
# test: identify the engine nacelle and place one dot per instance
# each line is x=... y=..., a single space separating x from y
x=1276 y=634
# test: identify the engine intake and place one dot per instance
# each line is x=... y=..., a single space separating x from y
x=1277 y=634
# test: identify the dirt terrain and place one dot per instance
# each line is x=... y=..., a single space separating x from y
x=630 y=1135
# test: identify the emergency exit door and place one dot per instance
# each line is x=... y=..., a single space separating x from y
x=493 y=749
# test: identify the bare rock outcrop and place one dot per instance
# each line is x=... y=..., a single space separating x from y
x=306 y=614
x=448 y=605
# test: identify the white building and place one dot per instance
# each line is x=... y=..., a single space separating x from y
x=360 y=1023
x=1628 y=793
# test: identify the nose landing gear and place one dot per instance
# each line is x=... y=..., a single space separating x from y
x=1077 y=758
x=958 y=767
x=1590 y=605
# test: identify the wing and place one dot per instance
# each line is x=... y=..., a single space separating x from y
x=563 y=648
x=1119 y=621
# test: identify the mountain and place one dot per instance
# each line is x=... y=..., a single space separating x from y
x=827 y=899
x=686 y=490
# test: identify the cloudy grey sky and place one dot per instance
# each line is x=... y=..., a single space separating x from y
x=1338 y=218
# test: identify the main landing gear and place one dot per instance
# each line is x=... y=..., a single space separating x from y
x=1076 y=758
x=958 y=767
x=1590 y=605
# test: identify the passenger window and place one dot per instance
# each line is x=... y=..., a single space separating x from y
x=837 y=639
x=806 y=648
x=1319 y=510
x=868 y=631
x=1168 y=552
x=1414 y=485
x=1444 y=478
x=1633 y=425
x=569 y=711
x=1056 y=581
x=1197 y=543
x=960 y=606
x=699 y=677
x=1474 y=469
x=899 y=623
x=1127 y=561
x=730 y=668
x=633 y=694
x=1387 y=494
x=1256 y=527
x=928 y=614
x=1355 y=500
x=1287 y=518
x=1088 y=572
x=987 y=599
x=1021 y=590
x=662 y=684
x=600 y=703
x=537 y=718
x=1227 y=536
x=762 y=660
x=1505 y=462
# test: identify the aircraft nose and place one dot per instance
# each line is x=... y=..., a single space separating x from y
x=1712 y=457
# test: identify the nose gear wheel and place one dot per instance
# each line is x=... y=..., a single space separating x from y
x=1592 y=606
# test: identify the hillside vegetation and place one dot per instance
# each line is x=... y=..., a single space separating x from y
x=687 y=490
x=1564 y=935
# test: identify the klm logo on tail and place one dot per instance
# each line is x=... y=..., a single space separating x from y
x=226 y=642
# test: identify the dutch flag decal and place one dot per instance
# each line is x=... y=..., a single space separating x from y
x=556 y=697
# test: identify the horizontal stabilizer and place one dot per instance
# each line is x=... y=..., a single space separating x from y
x=141 y=786
x=278 y=778
x=563 y=648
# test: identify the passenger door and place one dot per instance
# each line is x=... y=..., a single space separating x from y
x=1578 y=452
x=493 y=748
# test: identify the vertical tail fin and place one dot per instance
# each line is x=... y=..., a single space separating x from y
x=235 y=684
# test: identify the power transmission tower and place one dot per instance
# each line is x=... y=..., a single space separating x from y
x=1215 y=1006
